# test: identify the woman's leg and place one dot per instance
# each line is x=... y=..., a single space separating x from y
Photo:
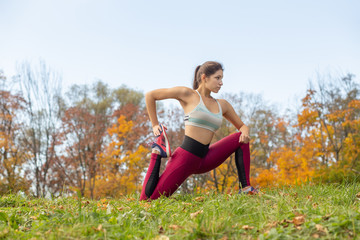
x=180 y=166
x=152 y=176
x=221 y=150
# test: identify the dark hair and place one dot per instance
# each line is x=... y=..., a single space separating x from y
x=208 y=68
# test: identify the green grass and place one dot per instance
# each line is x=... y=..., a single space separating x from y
x=307 y=212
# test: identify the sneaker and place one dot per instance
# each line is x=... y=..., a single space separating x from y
x=249 y=190
x=161 y=143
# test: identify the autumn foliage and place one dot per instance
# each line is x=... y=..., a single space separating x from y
x=95 y=140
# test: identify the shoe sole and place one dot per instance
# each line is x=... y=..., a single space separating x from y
x=168 y=150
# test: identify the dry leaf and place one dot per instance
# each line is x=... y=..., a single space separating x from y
x=175 y=227
x=247 y=227
x=298 y=220
x=298 y=227
x=321 y=228
x=358 y=195
x=161 y=229
x=99 y=228
x=193 y=215
x=315 y=205
x=185 y=203
x=199 y=199
x=326 y=217
x=316 y=235
x=224 y=238
x=145 y=204
x=272 y=224
x=33 y=217
x=161 y=237
x=286 y=221
x=309 y=197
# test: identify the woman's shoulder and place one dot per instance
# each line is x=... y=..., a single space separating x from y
x=224 y=104
x=184 y=90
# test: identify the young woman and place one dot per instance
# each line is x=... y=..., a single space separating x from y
x=203 y=116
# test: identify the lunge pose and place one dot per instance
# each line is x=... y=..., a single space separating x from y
x=203 y=116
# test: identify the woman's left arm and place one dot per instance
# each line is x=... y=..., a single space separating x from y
x=230 y=114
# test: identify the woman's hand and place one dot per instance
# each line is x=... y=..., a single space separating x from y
x=156 y=130
x=244 y=138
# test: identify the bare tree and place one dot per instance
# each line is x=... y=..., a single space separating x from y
x=41 y=89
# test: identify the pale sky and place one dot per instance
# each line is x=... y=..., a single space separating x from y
x=268 y=47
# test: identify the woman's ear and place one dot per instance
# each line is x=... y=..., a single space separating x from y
x=203 y=77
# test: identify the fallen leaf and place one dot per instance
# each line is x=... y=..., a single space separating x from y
x=161 y=229
x=299 y=220
x=247 y=227
x=145 y=204
x=174 y=227
x=316 y=235
x=33 y=217
x=309 y=197
x=272 y=224
x=193 y=215
x=224 y=238
x=321 y=228
x=298 y=227
x=199 y=199
x=315 y=205
x=358 y=195
x=285 y=221
x=103 y=201
x=185 y=203
x=99 y=228
x=161 y=237
x=326 y=217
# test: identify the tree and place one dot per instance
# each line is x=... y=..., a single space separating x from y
x=41 y=88
x=12 y=155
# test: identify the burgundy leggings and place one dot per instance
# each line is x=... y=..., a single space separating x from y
x=182 y=164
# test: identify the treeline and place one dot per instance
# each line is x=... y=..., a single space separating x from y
x=96 y=139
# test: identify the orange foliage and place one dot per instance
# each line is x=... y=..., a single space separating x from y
x=119 y=169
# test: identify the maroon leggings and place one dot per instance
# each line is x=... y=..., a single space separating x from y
x=182 y=164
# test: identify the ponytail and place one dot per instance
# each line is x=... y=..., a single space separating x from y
x=196 y=78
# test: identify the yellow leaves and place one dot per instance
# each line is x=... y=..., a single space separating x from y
x=120 y=129
x=307 y=117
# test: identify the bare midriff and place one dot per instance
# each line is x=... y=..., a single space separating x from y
x=201 y=135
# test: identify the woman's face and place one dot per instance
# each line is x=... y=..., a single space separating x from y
x=214 y=82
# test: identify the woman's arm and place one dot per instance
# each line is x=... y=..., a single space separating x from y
x=230 y=114
x=181 y=94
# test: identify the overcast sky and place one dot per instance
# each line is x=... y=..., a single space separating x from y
x=268 y=47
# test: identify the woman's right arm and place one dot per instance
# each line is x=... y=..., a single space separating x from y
x=182 y=94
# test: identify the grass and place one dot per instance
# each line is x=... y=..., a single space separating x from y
x=306 y=212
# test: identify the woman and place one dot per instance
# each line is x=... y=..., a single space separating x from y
x=203 y=116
